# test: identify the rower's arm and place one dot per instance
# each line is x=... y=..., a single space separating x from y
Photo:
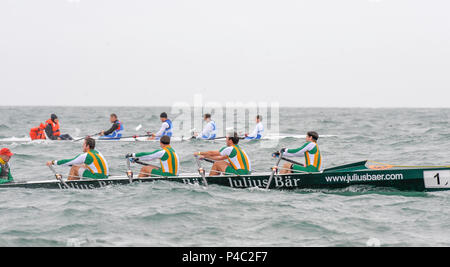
x=114 y=127
x=164 y=126
x=298 y=152
x=218 y=158
x=78 y=160
x=210 y=154
x=148 y=156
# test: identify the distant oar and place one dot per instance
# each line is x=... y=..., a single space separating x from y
x=137 y=129
x=223 y=137
x=131 y=136
x=79 y=139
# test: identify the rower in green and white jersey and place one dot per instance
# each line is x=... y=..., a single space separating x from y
x=229 y=160
x=167 y=156
x=90 y=164
x=310 y=150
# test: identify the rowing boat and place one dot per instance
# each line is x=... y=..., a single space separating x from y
x=145 y=139
x=407 y=179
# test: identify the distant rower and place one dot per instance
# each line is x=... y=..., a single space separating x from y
x=209 y=131
x=170 y=163
x=5 y=171
x=237 y=161
x=310 y=150
x=166 y=128
x=49 y=130
x=116 y=130
x=90 y=164
x=259 y=129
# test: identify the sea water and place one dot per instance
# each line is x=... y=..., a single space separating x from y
x=172 y=214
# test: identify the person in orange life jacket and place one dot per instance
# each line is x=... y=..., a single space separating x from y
x=115 y=132
x=38 y=133
x=52 y=129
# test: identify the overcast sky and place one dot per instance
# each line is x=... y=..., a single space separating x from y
x=339 y=53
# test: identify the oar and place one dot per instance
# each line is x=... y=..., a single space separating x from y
x=208 y=160
x=217 y=138
x=129 y=171
x=223 y=137
x=201 y=171
x=58 y=176
x=131 y=136
x=76 y=140
x=141 y=163
x=274 y=169
x=286 y=159
x=291 y=161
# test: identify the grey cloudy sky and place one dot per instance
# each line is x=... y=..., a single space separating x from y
x=340 y=53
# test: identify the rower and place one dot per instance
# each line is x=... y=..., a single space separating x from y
x=210 y=130
x=89 y=164
x=167 y=156
x=166 y=128
x=229 y=160
x=115 y=132
x=259 y=129
x=49 y=130
x=5 y=171
x=310 y=150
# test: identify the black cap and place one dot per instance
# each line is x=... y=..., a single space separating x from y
x=53 y=117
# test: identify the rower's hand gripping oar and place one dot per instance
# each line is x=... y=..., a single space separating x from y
x=201 y=171
x=275 y=168
x=131 y=159
x=58 y=176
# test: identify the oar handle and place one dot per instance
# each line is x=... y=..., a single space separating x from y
x=291 y=161
x=137 y=161
x=208 y=160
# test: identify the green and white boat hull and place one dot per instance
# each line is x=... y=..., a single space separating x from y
x=411 y=179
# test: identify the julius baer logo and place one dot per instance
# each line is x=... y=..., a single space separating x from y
x=87 y=185
x=254 y=181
